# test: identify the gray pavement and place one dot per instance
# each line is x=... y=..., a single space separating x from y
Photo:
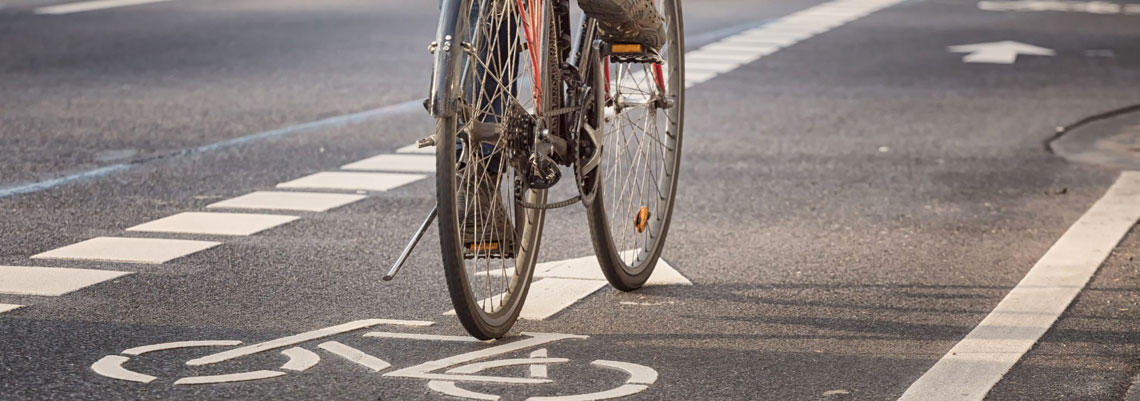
x=851 y=206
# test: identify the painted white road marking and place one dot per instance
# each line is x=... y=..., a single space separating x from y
x=587 y=268
x=9 y=307
x=1004 y=52
x=299 y=338
x=1090 y=7
x=229 y=378
x=415 y=149
x=112 y=366
x=238 y=224
x=91 y=6
x=417 y=336
x=47 y=281
x=302 y=201
x=300 y=359
x=397 y=163
x=980 y=360
x=546 y=299
x=753 y=44
x=355 y=355
x=539 y=370
x=128 y=250
x=425 y=370
x=551 y=295
x=623 y=391
x=352 y=181
x=180 y=344
x=638 y=374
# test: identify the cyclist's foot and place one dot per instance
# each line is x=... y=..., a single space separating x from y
x=627 y=21
x=487 y=230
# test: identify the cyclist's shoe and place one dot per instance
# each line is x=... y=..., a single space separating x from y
x=487 y=229
x=627 y=21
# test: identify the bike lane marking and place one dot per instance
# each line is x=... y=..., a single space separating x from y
x=128 y=250
x=976 y=363
x=9 y=307
x=395 y=162
x=300 y=338
x=299 y=201
x=85 y=6
x=561 y=284
x=49 y=281
x=354 y=355
x=211 y=223
x=749 y=46
x=351 y=181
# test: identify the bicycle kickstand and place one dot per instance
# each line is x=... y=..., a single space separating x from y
x=411 y=245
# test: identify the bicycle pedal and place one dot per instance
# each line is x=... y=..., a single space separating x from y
x=633 y=53
x=426 y=142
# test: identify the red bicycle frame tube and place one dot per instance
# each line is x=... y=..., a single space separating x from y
x=532 y=22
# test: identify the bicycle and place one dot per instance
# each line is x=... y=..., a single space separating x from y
x=515 y=100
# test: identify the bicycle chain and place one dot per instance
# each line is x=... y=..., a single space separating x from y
x=549 y=206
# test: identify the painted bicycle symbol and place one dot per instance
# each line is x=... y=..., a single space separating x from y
x=443 y=375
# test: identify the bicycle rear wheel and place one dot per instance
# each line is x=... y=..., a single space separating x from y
x=636 y=182
x=489 y=243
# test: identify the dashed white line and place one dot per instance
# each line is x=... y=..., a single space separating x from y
x=300 y=201
x=239 y=224
x=9 y=307
x=980 y=360
x=47 y=281
x=128 y=250
x=352 y=181
x=91 y=6
x=397 y=163
x=417 y=336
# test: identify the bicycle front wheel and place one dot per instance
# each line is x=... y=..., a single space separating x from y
x=636 y=182
x=502 y=83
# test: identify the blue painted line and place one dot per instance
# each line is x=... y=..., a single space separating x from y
x=331 y=122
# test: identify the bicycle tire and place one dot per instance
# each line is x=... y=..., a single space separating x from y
x=486 y=306
x=627 y=256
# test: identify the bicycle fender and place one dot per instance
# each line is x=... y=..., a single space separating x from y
x=443 y=48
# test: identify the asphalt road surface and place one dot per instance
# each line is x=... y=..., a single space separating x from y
x=858 y=208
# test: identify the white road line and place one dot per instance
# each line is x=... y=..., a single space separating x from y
x=91 y=6
x=623 y=391
x=238 y=224
x=354 y=355
x=301 y=201
x=128 y=250
x=980 y=360
x=352 y=181
x=638 y=374
x=9 y=307
x=46 y=281
x=397 y=163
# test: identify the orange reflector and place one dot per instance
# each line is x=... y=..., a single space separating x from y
x=626 y=48
x=484 y=247
x=642 y=219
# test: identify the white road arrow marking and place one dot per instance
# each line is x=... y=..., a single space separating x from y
x=1004 y=52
